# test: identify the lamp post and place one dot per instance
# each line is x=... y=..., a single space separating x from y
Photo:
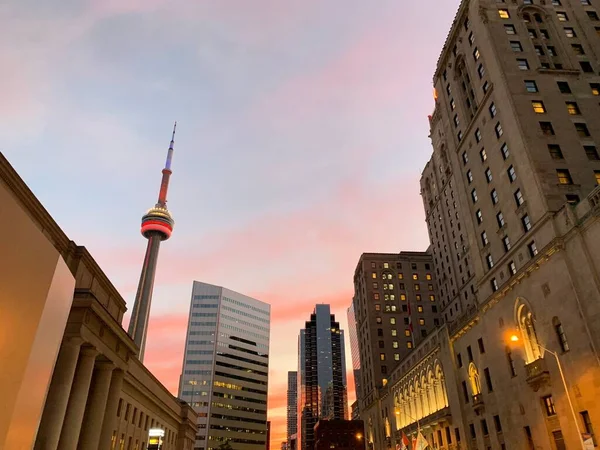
x=193 y=383
x=515 y=338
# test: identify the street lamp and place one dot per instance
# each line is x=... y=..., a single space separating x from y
x=515 y=338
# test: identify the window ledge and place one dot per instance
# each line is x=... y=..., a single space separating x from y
x=559 y=71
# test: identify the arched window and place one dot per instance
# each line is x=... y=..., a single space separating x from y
x=542 y=36
x=525 y=321
x=474 y=380
x=560 y=334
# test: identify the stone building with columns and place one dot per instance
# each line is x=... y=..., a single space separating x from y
x=90 y=391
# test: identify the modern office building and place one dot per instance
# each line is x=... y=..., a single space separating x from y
x=395 y=306
x=321 y=374
x=354 y=352
x=292 y=405
x=74 y=379
x=513 y=212
x=225 y=367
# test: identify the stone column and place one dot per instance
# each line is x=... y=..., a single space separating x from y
x=58 y=395
x=110 y=414
x=96 y=406
x=79 y=394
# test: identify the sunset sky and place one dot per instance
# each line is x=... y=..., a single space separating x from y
x=302 y=132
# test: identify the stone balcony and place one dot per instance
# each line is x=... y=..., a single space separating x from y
x=478 y=404
x=537 y=374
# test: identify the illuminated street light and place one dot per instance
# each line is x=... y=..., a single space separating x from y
x=515 y=338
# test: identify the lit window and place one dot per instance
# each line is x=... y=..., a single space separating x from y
x=419 y=309
x=480 y=216
x=403 y=297
x=510 y=29
x=492 y=110
x=519 y=197
x=597 y=175
x=394 y=332
x=428 y=276
x=395 y=344
x=482 y=155
x=488 y=175
x=459 y=136
x=477 y=135
x=374 y=275
x=564 y=176
x=512 y=269
x=407 y=333
x=469 y=176
x=531 y=86
x=570 y=32
x=378 y=319
x=494 y=196
x=456 y=120
x=432 y=298
x=522 y=64
x=430 y=287
x=421 y=321
x=538 y=107
x=452 y=104
x=484 y=239
x=504 y=150
x=490 y=261
x=503 y=13
x=417 y=287
x=465 y=158
x=595 y=87
x=562 y=16
x=401 y=276
x=392 y=321
x=376 y=296
x=549 y=405
x=512 y=175
x=382 y=356
x=476 y=54
x=386 y=265
x=474 y=196
x=572 y=108
x=409 y=345
x=551 y=50
x=396 y=357
x=471 y=38
x=526 y=223
x=415 y=276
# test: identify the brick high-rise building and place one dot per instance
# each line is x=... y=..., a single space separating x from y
x=395 y=306
x=513 y=212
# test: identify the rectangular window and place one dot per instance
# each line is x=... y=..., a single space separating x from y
x=595 y=87
x=480 y=216
x=498 y=129
x=480 y=345
x=510 y=29
x=484 y=428
x=547 y=128
x=494 y=196
x=593 y=15
x=484 y=239
x=531 y=86
x=522 y=64
x=564 y=176
x=465 y=392
x=578 y=49
x=500 y=219
x=488 y=380
x=482 y=155
x=476 y=54
x=582 y=129
x=572 y=108
x=503 y=13
x=562 y=16
x=519 y=200
x=488 y=175
x=539 y=50
x=512 y=175
x=591 y=152
x=549 y=405
x=538 y=107
x=505 y=152
x=563 y=87
x=511 y=362
x=492 y=110
x=526 y=223
x=570 y=32
x=532 y=249
x=512 y=269
x=472 y=431
x=480 y=71
x=494 y=284
x=586 y=66
x=516 y=46
x=597 y=175
x=587 y=425
x=555 y=151
x=506 y=243
x=489 y=261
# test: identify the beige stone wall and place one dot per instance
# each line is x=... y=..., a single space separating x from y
x=35 y=298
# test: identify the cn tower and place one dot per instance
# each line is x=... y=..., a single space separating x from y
x=157 y=226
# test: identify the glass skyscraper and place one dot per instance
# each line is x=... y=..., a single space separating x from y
x=321 y=374
x=225 y=367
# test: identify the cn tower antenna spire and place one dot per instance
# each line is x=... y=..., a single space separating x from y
x=157 y=226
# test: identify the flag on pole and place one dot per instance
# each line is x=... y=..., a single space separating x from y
x=405 y=442
x=421 y=443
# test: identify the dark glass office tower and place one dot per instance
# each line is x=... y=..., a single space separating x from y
x=321 y=374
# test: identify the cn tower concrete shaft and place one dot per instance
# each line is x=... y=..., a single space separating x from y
x=138 y=325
